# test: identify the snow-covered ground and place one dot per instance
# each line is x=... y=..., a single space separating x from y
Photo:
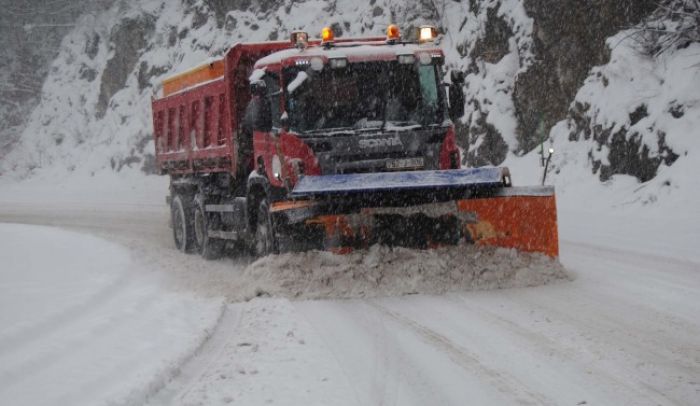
x=624 y=332
x=85 y=324
x=100 y=308
x=124 y=317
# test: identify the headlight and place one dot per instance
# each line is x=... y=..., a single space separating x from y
x=338 y=63
x=407 y=59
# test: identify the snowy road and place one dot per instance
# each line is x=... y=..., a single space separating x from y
x=605 y=339
x=82 y=323
x=625 y=332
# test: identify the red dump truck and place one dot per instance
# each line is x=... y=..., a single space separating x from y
x=333 y=144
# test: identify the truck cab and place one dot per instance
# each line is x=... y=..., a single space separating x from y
x=352 y=107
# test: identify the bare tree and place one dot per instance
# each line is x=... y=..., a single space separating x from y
x=675 y=23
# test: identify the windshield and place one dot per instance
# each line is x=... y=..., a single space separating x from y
x=363 y=95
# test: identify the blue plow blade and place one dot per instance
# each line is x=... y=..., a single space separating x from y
x=396 y=181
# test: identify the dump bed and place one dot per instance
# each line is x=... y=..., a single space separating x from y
x=191 y=129
x=196 y=122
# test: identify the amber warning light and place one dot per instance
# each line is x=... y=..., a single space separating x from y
x=327 y=35
x=392 y=33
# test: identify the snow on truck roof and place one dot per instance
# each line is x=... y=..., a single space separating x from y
x=361 y=50
x=354 y=52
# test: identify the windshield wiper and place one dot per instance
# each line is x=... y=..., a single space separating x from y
x=330 y=129
x=405 y=123
x=366 y=124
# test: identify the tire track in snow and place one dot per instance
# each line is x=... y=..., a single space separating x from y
x=103 y=380
x=468 y=361
x=621 y=332
x=632 y=350
x=384 y=366
x=384 y=359
x=156 y=383
x=270 y=354
x=190 y=370
x=540 y=342
x=65 y=347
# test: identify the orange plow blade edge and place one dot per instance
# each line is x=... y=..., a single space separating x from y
x=524 y=219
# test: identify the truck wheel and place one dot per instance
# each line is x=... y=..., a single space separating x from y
x=265 y=243
x=183 y=233
x=209 y=248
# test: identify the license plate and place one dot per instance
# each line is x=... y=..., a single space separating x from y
x=405 y=163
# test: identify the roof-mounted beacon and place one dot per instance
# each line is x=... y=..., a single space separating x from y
x=300 y=39
x=427 y=33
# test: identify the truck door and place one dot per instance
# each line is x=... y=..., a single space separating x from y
x=265 y=136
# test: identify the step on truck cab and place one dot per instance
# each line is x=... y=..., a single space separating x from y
x=331 y=143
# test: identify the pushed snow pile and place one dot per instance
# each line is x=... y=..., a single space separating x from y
x=384 y=271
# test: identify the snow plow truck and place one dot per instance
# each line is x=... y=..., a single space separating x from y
x=334 y=144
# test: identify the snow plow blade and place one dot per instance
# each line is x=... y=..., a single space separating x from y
x=479 y=178
x=524 y=218
x=423 y=209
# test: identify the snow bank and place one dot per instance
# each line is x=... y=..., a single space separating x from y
x=384 y=271
x=83 y=324
x=654 y=101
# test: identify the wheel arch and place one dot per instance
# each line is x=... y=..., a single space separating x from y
x=186 y=186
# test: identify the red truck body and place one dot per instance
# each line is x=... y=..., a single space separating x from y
x=294 y=182
x=195 y=128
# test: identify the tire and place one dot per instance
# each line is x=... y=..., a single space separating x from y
x=208 y=248
x=265 y=242
x=182 y=219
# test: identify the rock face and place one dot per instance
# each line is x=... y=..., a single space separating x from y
x=494 y=45
x=542 y=66
x=628 y=154
x=555 y=54
x=633 y=109
x=568 y=40
x=127 y=41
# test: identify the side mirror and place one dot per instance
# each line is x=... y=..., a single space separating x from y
x=456 y=99
x=457 y=76
x=456 y=96
x=258 y=88
x=260 y=107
